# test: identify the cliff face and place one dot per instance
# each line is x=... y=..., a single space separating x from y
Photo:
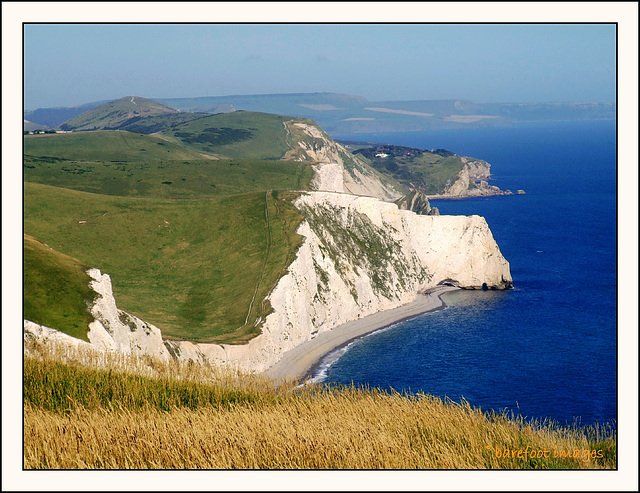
x=360 y=255
x=472 y=181
x=112 y=329
x=336 y=169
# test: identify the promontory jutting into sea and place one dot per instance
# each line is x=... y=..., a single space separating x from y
x=260 y=242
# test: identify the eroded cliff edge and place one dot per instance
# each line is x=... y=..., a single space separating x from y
x=360 y=255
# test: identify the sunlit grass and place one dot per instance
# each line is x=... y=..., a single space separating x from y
x=196 y=269
x=188 y=416
x=57 y=292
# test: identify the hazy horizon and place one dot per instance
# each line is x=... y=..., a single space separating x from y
x=74 y=64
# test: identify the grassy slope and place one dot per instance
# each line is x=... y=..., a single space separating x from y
x=195 y=275
x=57 y=291
x=189 y=267
x=425 y=171
x=152 y=124
x=104 y=146
x=195 y=417
x=169 y=179
x=241 y=134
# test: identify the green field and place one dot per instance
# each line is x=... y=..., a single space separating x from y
x=169 y=179
x=105 y=146
x=193 y=245
x=194 y=268
x=428 y=172
x=57 y=292
x=245 y=135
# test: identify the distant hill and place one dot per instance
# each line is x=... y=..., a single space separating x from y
x=112 y=115
x=31 y=127
x=52 y=117
x=344 y=114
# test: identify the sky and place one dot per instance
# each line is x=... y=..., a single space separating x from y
x=71 y=64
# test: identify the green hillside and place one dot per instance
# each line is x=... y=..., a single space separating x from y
x=193 y=268
x=194 y=224
x=129 y=164
x=104 y=146
x=114 y=113
x=427 y=171
x=153 y=124
x=56 y=288
x=244 y=135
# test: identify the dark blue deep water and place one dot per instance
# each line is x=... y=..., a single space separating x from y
x=547 y=348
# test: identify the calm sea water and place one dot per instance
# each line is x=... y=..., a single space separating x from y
x=547 y=348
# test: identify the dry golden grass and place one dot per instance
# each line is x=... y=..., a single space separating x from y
x=312 y=427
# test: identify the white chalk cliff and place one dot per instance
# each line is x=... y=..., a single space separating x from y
x=473 y=180
x=335 y=168
x=112 y=329
x=360 y=255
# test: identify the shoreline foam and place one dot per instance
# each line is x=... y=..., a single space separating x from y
x=302 y=361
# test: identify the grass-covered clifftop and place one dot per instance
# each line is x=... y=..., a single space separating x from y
x=246 y=135
x=190 y=267
x=142 y=414
x=430 y=172
x=57 y=292
x=192 y=244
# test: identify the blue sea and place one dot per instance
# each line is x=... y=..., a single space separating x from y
x=547 y=348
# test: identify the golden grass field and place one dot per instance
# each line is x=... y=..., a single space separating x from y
x=92 y=411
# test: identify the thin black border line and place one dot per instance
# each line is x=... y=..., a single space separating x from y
x=616 y=24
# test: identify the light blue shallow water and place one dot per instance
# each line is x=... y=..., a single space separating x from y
x=547 y=348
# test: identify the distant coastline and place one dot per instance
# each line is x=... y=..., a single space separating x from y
x=474 y=196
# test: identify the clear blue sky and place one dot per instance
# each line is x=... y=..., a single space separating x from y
x=68 y=64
